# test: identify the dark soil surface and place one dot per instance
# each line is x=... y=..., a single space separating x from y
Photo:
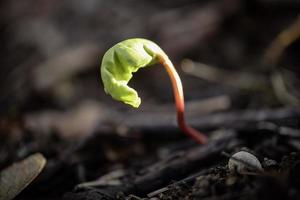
x=239 y=64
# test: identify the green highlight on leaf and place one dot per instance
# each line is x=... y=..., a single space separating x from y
x=121 y=61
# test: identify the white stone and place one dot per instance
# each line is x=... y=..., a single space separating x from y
x=244 y=163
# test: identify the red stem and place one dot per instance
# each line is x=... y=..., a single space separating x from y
x=179 y=100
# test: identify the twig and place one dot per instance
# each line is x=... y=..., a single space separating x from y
x=179 y=167
x=149 y=121
x=284 y=39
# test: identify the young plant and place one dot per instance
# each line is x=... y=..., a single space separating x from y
x=125 y=58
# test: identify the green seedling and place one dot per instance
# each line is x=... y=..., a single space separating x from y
x=125 y=58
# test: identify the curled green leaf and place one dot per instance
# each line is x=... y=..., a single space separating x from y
x=123 y=59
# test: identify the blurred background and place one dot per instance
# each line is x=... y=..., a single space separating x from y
x=232 y=55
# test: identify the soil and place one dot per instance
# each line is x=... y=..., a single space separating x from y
x=241 y=84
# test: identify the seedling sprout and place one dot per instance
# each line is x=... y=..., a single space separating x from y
x=125 y=58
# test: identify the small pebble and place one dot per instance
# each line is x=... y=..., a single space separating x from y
x=269 y=164
x=243 y=162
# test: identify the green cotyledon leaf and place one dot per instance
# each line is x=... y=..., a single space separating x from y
x=123 y=59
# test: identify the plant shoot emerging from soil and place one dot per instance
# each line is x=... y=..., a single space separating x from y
x=125 y=58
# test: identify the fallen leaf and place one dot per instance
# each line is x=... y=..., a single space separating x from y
x=19 y=175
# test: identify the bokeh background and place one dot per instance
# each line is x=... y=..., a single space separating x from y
x=231 y=55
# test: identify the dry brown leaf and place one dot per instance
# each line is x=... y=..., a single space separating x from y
x=19 y=175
